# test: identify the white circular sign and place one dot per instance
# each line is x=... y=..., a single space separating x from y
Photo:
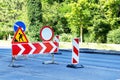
x=46 y=33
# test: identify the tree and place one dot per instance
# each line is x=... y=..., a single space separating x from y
x=79 y=17
x=34 y=9
x=104 y=19
x=53 y=15
x=10 y=12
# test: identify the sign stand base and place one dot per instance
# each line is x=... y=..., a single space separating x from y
x=50 y=62
x=12 y=63
x=74 y=66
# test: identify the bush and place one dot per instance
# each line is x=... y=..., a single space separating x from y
x=101 y=30
x=4 y=34
x=34 y=32
x=65 y=37
x=114 y=36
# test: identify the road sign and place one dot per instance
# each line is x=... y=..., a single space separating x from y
x=46 y=33
x=19 y=24
x=34 y=48
x=20 y=37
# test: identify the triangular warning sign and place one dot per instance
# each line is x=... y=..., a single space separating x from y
x=19 y=37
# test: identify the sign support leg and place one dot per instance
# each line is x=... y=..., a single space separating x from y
x=52 y=61
x=12 y=62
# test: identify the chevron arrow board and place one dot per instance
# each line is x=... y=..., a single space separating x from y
x=34 y=48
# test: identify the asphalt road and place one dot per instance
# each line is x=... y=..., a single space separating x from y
x=96 y=67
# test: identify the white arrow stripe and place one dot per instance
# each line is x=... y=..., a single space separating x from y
x=33 y=48
x=19 y=26
x=43 y=48
x=75 y=44
x=54 y=47
x=56 y=39
x=22 y=49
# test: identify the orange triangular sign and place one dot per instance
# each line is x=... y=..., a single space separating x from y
x=19 y=37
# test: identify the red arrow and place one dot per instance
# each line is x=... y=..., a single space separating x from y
x=38 y=48
x=15 y=50
x=49 y=47
x=27 y=49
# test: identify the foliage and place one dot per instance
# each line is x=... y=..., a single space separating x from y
x=34 y=8
x=100 y=30
x=10 y=12
x=4 y=35
x=114 y=36
x=103 y=19
x=34 y=32
x=69 y=18
x=79 y=17
x=65 y=37
x=53 y=15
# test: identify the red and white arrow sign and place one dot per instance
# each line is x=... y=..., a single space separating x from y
x=34 y=48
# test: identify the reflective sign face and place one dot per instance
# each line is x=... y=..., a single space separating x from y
x=46 y=33
x=19 y=37
x=19 y=24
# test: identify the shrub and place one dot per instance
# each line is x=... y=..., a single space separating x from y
x=65 y=37
x=4 y=34
x=114 y=36
x=34 y=32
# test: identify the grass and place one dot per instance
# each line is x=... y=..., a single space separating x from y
x=99 y=46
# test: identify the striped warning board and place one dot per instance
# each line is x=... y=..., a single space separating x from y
x=34 y=48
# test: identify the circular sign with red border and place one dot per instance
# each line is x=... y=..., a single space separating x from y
x=46 y=33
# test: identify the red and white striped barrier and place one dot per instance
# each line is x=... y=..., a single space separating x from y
x=34 y=48
x=56 y=39
x=75 y=51
x=75 y=54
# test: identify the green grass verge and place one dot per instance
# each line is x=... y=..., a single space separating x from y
x=68 y=45
x=100 y=46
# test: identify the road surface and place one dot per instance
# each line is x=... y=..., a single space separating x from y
x=96 y=67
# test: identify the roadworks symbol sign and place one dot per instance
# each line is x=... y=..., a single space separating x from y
x=20 y=37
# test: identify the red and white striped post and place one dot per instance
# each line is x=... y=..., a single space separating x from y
x=56 y=39
x=75 y=54
x=75 y=51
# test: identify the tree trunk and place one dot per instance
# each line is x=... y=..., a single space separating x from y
x=81 y=32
